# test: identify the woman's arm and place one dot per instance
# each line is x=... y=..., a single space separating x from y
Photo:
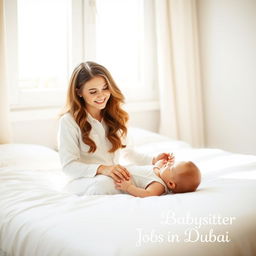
x=132 y=156
x=69 y=151
x=116 y=172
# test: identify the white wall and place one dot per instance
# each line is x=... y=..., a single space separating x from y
x=228 y=57
x=40 y=126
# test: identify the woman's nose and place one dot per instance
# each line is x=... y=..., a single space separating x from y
x=101 y=94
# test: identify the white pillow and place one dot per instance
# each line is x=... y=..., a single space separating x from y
x=28 y=156
x=139 y=136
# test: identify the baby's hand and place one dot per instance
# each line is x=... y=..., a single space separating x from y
x=169 y=161
x=160 y=163
x=163 y=156
x=123 y=184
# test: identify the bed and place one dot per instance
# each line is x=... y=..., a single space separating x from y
x=38 y=218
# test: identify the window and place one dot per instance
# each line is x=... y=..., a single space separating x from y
x=42 y=43
x=125 y=44
x=46 y=39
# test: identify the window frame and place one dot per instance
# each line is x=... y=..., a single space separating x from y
x=81 y=47
x=48 y=97
x=146 y=90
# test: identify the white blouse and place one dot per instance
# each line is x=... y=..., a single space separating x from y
x=73 y=152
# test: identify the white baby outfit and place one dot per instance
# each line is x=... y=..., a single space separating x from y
x=142 y=176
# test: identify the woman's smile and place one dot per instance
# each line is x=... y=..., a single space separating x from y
x=100 y=101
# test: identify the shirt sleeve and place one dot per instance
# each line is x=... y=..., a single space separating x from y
x=129 y=155
x=69 y=151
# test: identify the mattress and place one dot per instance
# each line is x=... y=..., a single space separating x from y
x=38 y=218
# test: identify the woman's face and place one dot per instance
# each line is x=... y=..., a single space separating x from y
x=96 y=94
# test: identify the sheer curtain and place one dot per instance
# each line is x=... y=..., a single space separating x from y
x=5 y=134
x=181 y=111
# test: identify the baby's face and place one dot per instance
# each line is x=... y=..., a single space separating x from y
x=168 y=172
x=171 y=172
x=181 y=177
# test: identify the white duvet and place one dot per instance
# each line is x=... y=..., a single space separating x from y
x=37 y=218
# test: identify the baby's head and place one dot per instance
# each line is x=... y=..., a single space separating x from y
x=181 y=177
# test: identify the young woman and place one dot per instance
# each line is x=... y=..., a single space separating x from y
x=92 y=132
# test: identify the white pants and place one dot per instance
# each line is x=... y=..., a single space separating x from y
x=98 y=185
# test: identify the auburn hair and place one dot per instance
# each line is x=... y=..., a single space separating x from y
x=113 y=115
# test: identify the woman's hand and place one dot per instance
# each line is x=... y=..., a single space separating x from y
x=123 y=184
x=116 y=172
x=163 y=156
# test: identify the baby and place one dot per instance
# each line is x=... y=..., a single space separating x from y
x=164 y=177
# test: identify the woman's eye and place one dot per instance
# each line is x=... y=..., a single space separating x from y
x=92 y=92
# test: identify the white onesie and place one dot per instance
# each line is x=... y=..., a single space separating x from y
x=142 y=176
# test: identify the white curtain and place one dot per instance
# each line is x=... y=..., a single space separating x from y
x=181 y=111
x=5 y=133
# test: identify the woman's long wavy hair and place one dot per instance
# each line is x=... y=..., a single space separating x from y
x=114 y=116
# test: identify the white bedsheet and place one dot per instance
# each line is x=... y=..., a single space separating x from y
x=38 y=219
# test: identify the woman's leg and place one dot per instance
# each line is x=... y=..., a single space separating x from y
x=104 y=185
x=98 y=185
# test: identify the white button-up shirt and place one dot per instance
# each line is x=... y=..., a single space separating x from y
x=75 y=159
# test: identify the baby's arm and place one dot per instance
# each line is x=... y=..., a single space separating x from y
x=153 y=189
x=160 y=163
x=163 y=156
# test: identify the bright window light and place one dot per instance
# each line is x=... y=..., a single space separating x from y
x=120 y=39
x=46 y=39
x=42 y=43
